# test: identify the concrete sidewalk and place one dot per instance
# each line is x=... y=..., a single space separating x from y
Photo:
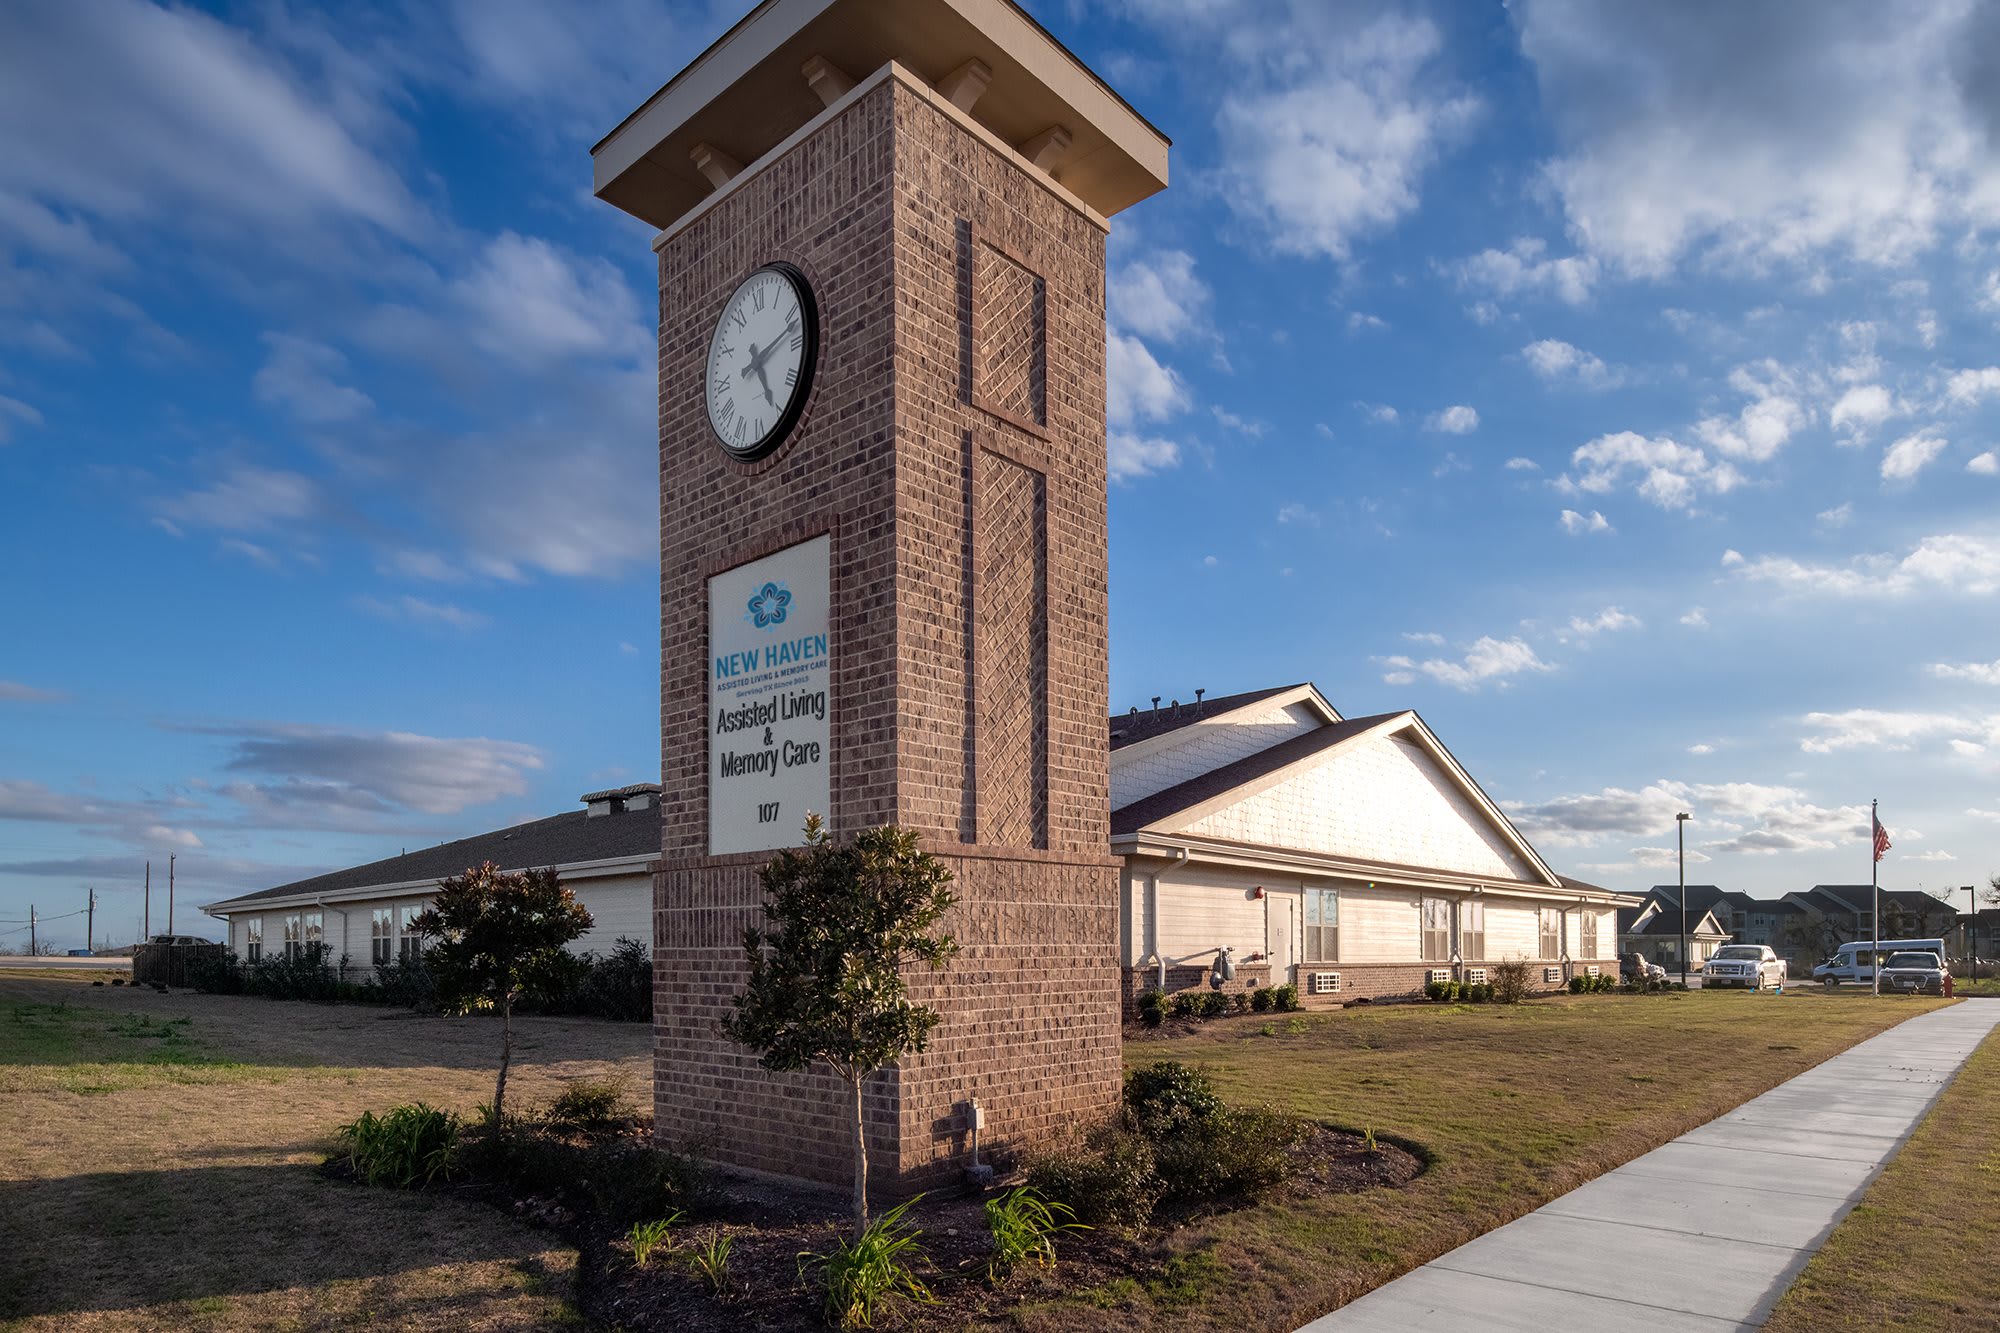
x=1704 y=1233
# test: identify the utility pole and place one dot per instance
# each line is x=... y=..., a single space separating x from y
x=146 y=921
x=33 y=951
x=170 y=895
x=90 y=922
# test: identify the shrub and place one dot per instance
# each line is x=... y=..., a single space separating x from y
x=306 y=977
x=215 y=973
x=1262 y=999
x=863 y=1275
x=1285 y=997
x=410 y=1146
x=1167 y=1090
x=1106 y=1182
x=1510 y=981
x=586 y=1105
x=620 y=984
x=1240 y=1002
x=406 y=982
x=649 y=1236
x=1212 y=1004
x=1153 y=1007
x=1024 y=1227
x=1477 y=992
x=1184 y=1003
x=1576 y=985
x=709 y=1260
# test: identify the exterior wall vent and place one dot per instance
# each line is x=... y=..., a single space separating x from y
x=1475 y=976
x=1322 y=983
x=1551 y=975
x=1591 y=970
x=1437 y=974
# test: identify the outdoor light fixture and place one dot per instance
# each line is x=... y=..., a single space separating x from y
x=1680 y=844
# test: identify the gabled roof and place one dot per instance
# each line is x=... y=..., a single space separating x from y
x=560 y=840
x=1655 y=918
x=1144 y=724
x=1267 y=767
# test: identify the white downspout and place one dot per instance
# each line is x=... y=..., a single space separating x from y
x=1153 y=918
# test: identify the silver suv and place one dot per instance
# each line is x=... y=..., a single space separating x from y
x=1752 y=966
x=1913 y=973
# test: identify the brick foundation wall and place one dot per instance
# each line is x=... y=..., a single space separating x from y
x=1371 y=981
x=968 y=566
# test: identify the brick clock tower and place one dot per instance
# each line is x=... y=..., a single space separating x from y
x=882 y=543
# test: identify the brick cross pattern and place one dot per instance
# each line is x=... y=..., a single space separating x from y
x=1010 y=361
x=1013 y=671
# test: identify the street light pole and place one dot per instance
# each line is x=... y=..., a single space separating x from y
x=1971 y=932
x=1680 y=845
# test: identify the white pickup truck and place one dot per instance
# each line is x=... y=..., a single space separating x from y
x=1752 y=966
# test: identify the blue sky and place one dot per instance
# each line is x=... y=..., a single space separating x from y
x=1614 y=385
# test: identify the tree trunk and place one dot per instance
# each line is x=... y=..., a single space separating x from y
x=860 y=1160
x=506 y=1055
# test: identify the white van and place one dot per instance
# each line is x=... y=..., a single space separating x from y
x=1856 y=962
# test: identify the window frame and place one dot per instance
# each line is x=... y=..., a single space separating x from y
x=294 y=936
x=1430 y=931
x=253 y=939
x=1322 y=937
x=1548 y=932
x=1587 y=933
x=1469 y=910
x=408 y=942
x=381 y=935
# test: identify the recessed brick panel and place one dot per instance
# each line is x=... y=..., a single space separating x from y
x=1011 y=654
x=1010 y=360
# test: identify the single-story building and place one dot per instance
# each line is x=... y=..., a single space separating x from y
x=1653 y=928
x=604 y=853
x=1266 y=836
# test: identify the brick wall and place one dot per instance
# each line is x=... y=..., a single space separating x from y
x=968 y=567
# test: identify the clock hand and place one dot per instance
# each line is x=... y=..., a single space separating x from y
x=757 y=359
x=766 y=382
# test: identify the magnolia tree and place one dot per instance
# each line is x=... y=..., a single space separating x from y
x=498 y=934
x=826 y=984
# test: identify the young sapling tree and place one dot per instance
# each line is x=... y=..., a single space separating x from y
x=826 y=984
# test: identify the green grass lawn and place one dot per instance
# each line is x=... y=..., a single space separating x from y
x=1917 y=1252
x=1516 y=1104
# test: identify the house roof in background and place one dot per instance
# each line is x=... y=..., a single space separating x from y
x=565 y=839
x=1131 y=728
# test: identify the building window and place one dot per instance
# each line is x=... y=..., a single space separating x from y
x=1588 y=935
x=1323 y=925
x=253 y=938
x=291 y=937
x=1472 y=929
x=1551 y=921
x=1436 y=914
x=315 y=934
x=409 y=944
x=378 y=936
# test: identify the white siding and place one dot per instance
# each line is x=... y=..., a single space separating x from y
x=1385 y=800
x=1380 y=925
x=619 y=905
x=1204 y=747
x=1511 y=930
x=1202 y=909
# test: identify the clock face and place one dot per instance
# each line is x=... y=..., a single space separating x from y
x=760 y=361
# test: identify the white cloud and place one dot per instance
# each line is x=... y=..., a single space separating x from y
x=1702 y=748
x=1482 y=312
x=1361 y=322
x=1380 y=414
x=1697 y=618
x=362 y=771
x=244 y=499
x=1488 y=659
x=527 y=303
x=1861 y=409
x=1241 y=425
x=1524 y=268
x=1522 y=465
x=1961 y=746
x=13 y=409
x=1985 y=465
x=1574 y=523
x=1933 y=856
x=1131 y=456
x=1949 y=562
x=419 y=611
x=1328 y=121
x=1836 y=517
x=1557 y=361
x=13 y=691
x=1764 y=425
x=1983 y=673
x=1750 y=139
x=1297 y=513
x=1609 y=620
x=1669 y=474
x=1159 y=296
x=1139 y=387
x=1884 y=729
x=1968 y=387
x=299 y=375
x=1455 y=420
x=1752 y=818
x=1435 y=640
x=1909 y=455
x=145 y=112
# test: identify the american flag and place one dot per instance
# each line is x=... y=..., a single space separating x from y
x=1881 y=840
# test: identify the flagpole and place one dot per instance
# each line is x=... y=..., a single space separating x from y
x=1875 y=891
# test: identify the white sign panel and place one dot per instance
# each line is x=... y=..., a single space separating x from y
x=770 y=737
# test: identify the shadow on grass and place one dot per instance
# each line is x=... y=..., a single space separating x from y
x=284 y=1239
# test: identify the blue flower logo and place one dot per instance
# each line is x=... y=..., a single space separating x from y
x=767 y=605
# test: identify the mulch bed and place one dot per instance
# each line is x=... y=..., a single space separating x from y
x=773 y=1224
